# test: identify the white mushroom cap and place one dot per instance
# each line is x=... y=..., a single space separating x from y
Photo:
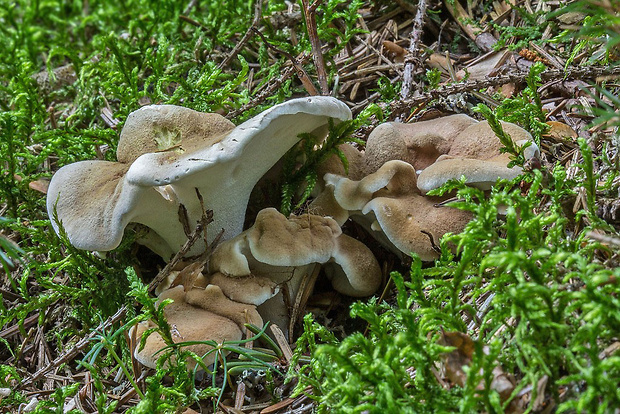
x=95 y=204
x=196 y=315
x=476 y=155
x=95 y=200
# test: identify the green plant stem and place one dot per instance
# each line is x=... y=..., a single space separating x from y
x=124 y=368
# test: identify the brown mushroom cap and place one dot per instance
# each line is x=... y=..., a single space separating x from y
x=389 y=203
x=323 y=203
x=296 y=241
x=157 y=128
x=416 y=224
x=480 y=174
x=333 y=164
x=349 y=269
x=418 y=143
x=476 y=154
x=192 y=317
x=254 y=290
x=480 y=142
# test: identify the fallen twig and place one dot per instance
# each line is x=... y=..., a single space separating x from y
x=258 y=13
x=412 y=59
x=268 y=90
x=317 y=54
x=402 y=106
x=483 y=40
x=301 y=72
x=81 y=345
x=196 y=234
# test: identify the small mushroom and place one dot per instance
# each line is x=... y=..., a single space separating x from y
x=199 y=314
x=390 y=199
x=287 y=250
x=323 y=203
x=388 y=203
x=419 y=144
x=165 y=153
x=475 y=154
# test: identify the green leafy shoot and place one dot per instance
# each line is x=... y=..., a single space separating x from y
x=525 y=109
x=512 y=280
x=598 y=31
x=9 y=250
x=301 y=162
x=510 y=146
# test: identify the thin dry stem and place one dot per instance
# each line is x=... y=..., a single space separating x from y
x=412 y=59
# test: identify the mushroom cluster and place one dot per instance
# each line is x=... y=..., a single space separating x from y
x=385 y=190
x=256 y=276
x=166 y=153
x=286 y=250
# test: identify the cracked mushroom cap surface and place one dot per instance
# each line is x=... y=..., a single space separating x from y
x=400 y=217
x=186 y=150
x=476 y=154
x=196 y=315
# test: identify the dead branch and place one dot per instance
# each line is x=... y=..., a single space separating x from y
x=317 y=54
x=301 y=72
x=412 y=59
x=402 y=106
x=268 y=90
x=258 y=13
x=81 y=345
x=193 y=238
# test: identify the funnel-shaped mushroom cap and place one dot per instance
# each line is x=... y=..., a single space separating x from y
x=188 y=150
x=286 y=250
x=418 y=143
x=197 y=315
x=389 y=202
x=476 y=155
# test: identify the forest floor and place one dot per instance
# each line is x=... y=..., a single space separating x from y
x=523 y=316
